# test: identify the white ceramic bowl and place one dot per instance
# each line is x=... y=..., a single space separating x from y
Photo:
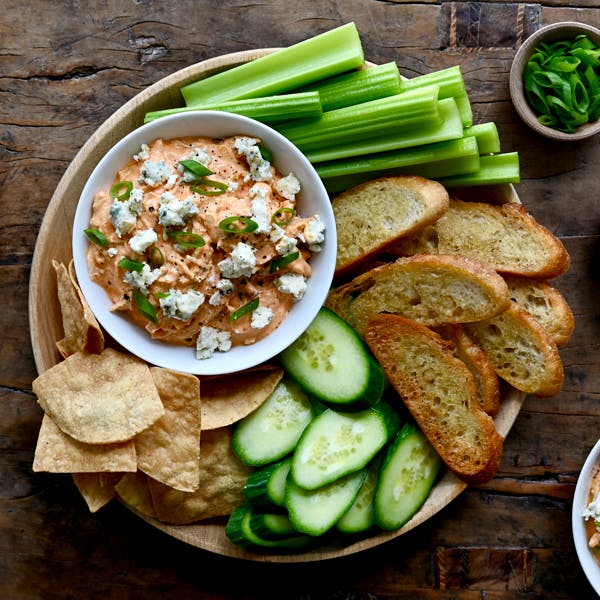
x=312 y=199
x=580 y=501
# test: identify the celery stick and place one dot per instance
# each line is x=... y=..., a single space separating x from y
x=450 y=128
x=487 y=136
x=494 y=168
x=357 y=86
x=318 y=57
x=345 y=125
x=433 y=161
x=269 y=109
x=451 y=84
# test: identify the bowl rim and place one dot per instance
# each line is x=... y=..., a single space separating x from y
x=134 y=338
x=580 y=500
x=550 y=31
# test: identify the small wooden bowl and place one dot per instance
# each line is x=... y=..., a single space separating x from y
x=550 y=33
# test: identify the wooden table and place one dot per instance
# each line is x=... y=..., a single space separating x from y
x=66 y=69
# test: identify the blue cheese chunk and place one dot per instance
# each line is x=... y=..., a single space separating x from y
x=173 y=212
x=283 y=243
x=142 y=279
x=240 y=263
x=260 y=169
x=211 y=340
x=260 y=209
x=261 y=317
x=123 y=213
x=153 y=173
x=314 y=233
x=181 y=305
x=142 y=240
x=288 y=186
x=292 y=283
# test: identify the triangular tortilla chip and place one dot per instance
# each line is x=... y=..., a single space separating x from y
x=133 y=491
x=169 y=450
x=227 y=399
x=99 y=398
x=56 y=452
x=97 y=489
x=222 y=480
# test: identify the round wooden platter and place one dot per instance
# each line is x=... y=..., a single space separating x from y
x=54 y=242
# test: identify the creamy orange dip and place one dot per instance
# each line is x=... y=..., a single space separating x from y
x=175 y=256
x=591 y=514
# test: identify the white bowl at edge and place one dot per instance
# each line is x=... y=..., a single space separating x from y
x=312 y=199
x=580 y=500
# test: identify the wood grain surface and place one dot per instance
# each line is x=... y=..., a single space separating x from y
x=64 y=71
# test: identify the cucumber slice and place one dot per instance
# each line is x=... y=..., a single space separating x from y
x=271 y=526
x=407 y=474
x=316 y=511
x=239 y=531
x=272 y=430
x=332 y=363
x=266 y=486
x=337 y=443
x=360 y=517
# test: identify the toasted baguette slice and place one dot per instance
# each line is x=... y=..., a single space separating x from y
x=439 y=392
x=505 y=236
x=432 y=290
x=522 y=351
x=478 y=363
x=546 y=304
x=372 y=216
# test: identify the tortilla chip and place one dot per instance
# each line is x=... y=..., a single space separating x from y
x=56 y=452
x=227 y=399
x=100 y=398
x=222 y=480
x=97 y=489
x=169 y=450
x=81 y=329
x=133 y=491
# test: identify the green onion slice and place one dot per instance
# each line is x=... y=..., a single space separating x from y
x=186 y=239
x=156 y=257
x=278 y=263
x=145 y=306
x=96 y=236
x=238 y=224
x=218 y=187
x=161 y=295
x=130 y=264
x=283 y=216
x=244 y=310
x=198 y=169
x=121 y=190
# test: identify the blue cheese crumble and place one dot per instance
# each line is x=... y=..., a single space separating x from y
x=211 y=340
x=174 y=212
x=240 y=263
x=181 y=305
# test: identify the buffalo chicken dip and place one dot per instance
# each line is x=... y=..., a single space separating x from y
x=200 y=242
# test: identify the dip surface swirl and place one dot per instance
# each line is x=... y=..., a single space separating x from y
x=212 y=260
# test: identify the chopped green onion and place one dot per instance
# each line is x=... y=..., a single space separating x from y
x=130 y=264
x=330 y=53
x=96 y=236
x=219 y=187
x=561 y=82
x=231 y=225
x=161 y=295
x=195 y=167
x=121 y=190
x=267 y=109
x=156 y=257
x=244 y=310
x=145 y=306
x=279 y=263
x=282 y=216
x=186 y=239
